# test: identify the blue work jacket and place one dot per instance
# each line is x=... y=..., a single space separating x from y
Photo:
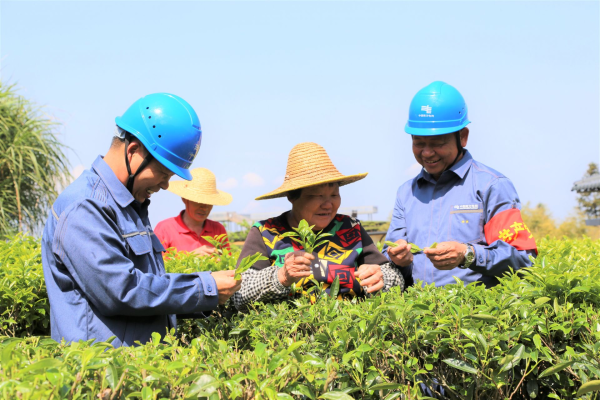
x=104 y=270
x=456 y=207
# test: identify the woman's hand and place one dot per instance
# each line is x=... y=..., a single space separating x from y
x=297 y=266
x=401 y=255
x=371 y=277
x=204 y=250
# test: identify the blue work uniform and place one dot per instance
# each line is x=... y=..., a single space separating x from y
x=456 y=207
x=104 y=270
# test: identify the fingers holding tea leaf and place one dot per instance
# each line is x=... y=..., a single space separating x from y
x=400 y=254
x=414 y=248
x=446 y=255
x=226 y=283
x=297 y=265
x=204 y=250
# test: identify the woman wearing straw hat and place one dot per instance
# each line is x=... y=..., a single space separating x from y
x=311 y=185
x=184 y=232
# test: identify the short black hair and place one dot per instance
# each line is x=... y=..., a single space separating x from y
x=119 y=141
x=296 y=193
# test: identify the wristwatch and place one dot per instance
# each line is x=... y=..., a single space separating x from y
x=469 y=257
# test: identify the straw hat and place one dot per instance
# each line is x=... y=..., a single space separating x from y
x=309 y=165
x=201 y=189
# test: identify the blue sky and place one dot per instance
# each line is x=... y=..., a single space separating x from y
x=264 y=76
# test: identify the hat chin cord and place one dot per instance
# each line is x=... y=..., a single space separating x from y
x=143 y=165
x=461 y=150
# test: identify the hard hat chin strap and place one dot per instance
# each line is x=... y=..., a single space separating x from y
x=143 y=165
x=461 y=150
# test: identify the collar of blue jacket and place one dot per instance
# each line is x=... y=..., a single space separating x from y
x=459 y=169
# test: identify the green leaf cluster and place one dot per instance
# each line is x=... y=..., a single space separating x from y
x=219 y=242
x=536 y=335
x=246 y=263
x=306 y=237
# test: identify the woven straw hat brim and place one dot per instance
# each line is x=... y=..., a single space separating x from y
x=283 y=190
x=189 y=191
x=309 y=165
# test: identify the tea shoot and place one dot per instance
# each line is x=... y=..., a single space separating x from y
x=306 y=237
x=247 y=263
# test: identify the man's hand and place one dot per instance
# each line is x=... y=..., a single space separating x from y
x=226 y=285
x=371 y=277
x=204 y=250
x=447 y=255
x=296 y=267
x=401 y=255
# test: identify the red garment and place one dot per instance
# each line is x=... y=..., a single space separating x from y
x=173 y=232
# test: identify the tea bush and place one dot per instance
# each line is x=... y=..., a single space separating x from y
x=533 y=336
x=24 y=307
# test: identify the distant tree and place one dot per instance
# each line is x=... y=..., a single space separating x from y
x=539 y=220
x=589 y=201
x=32 y=163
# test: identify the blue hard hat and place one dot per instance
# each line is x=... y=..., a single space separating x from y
x=168 y=127
x=436 y=109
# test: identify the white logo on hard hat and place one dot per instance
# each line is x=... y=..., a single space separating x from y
x=427 y=110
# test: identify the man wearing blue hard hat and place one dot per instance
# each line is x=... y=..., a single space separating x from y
x=470 y=210
x=102 y=262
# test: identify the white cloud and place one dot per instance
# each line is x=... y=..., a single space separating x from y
x=252 y=179
x=227 y=184
x=413 y=170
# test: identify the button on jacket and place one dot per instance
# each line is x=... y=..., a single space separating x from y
x=104 y=270
x=457 y=207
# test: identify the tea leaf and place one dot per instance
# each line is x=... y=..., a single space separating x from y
x=335 y=287
x=386 y=386
x=246 y=263
x=415 y=249
x=556 y=368
x=460 y=364
x=590 y=386
x=335 y=396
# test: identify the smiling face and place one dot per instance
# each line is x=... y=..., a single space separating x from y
x=317 y=205
x=152 y=178
x=198 y=212
x=437 y=153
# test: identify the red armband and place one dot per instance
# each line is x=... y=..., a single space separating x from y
x=508 y=226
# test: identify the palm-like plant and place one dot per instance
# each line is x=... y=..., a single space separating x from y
x=32 y=163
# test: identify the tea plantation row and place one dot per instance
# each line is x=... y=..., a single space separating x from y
x=534 y=336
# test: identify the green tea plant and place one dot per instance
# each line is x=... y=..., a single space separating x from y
x=306 y=237
x=536 y=335
x=219 y=242
x=24 y=307
x=246 y=263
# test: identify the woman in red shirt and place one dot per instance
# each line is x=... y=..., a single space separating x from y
x=184 y=232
